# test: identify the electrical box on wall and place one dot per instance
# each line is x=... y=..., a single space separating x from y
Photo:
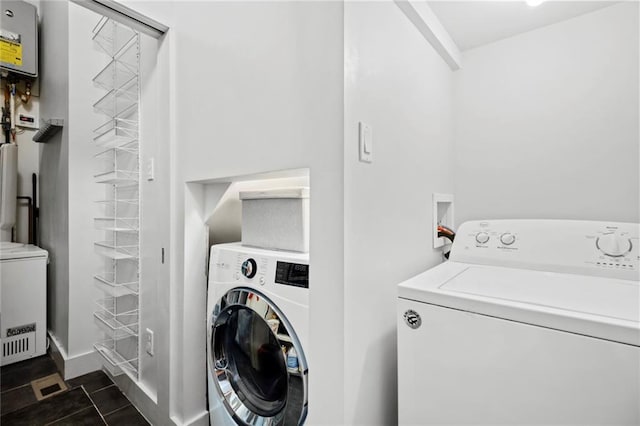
x=442 y=215
x=19 y=38
x=27 y=121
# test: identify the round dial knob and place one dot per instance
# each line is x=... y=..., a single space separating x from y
x=613 y=245
x=249 y=268
x=507 y=239
x=482 y=237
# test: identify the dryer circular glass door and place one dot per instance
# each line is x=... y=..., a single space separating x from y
x=250 y=339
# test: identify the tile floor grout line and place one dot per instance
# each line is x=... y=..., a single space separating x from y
x=134 y=407
x=121 y=408
x=102 y=388
x=68 y=415
x=17 y=387
x=94 y=404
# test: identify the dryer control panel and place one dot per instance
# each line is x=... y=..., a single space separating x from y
x=606 y=249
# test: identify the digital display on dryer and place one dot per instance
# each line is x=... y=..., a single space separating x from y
x=294 y=274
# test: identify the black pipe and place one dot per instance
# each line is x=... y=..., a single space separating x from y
x=36 y=211
x=448 y=236
x=21 y=197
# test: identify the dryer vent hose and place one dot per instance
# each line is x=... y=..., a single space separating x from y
x=447 y=233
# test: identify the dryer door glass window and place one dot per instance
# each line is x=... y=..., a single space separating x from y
x=253 y=359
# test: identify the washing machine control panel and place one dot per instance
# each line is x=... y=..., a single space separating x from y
x=249 y=268
x=606 y=249
x=293 y=274
x=233 y=263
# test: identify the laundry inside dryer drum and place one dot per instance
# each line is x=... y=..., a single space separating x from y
x=255 y=365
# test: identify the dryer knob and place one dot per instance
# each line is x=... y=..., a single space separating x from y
x=249 y=268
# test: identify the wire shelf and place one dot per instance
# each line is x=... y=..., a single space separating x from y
x=111 y=37
x=119 y=327
x=117 y=224
x=116 y=306
x=118 y=165
x=119 y=132
x=112 y=251
x=116 y=362
x=118 y=72
x=118 y=103
x=130 y=201
x=109 y=285
x=118 y=177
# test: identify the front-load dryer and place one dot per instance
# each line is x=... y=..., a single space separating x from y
x=257 y=335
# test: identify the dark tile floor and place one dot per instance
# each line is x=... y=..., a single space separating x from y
x=91 y=399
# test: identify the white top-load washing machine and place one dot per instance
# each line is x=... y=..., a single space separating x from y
x=257 y=322
x=23 y=301
x=531 y=322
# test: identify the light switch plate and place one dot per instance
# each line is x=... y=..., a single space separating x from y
x=365 y=142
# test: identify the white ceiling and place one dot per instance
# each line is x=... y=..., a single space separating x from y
x=474 y=23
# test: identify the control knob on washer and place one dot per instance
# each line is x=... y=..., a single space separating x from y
x=249 y=268
x=482 y=237
x=507 y=239
x=613 y=245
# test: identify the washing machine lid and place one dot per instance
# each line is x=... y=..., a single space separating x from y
x=14 y=251
x=605 y=308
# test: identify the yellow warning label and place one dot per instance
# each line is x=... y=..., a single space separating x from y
x=10 y=53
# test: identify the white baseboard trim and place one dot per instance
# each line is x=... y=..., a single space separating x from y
x=201 y=419
x=72 y=366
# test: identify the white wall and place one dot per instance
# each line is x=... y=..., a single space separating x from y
x=67 y=192
x=54 y=164
x=272 y=75
x=154 y=215
x=85 y=61
x=397 y=83
x=547 y=122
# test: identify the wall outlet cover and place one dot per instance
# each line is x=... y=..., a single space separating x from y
x=148 y=341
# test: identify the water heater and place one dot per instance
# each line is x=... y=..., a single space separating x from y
x=19 y=38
